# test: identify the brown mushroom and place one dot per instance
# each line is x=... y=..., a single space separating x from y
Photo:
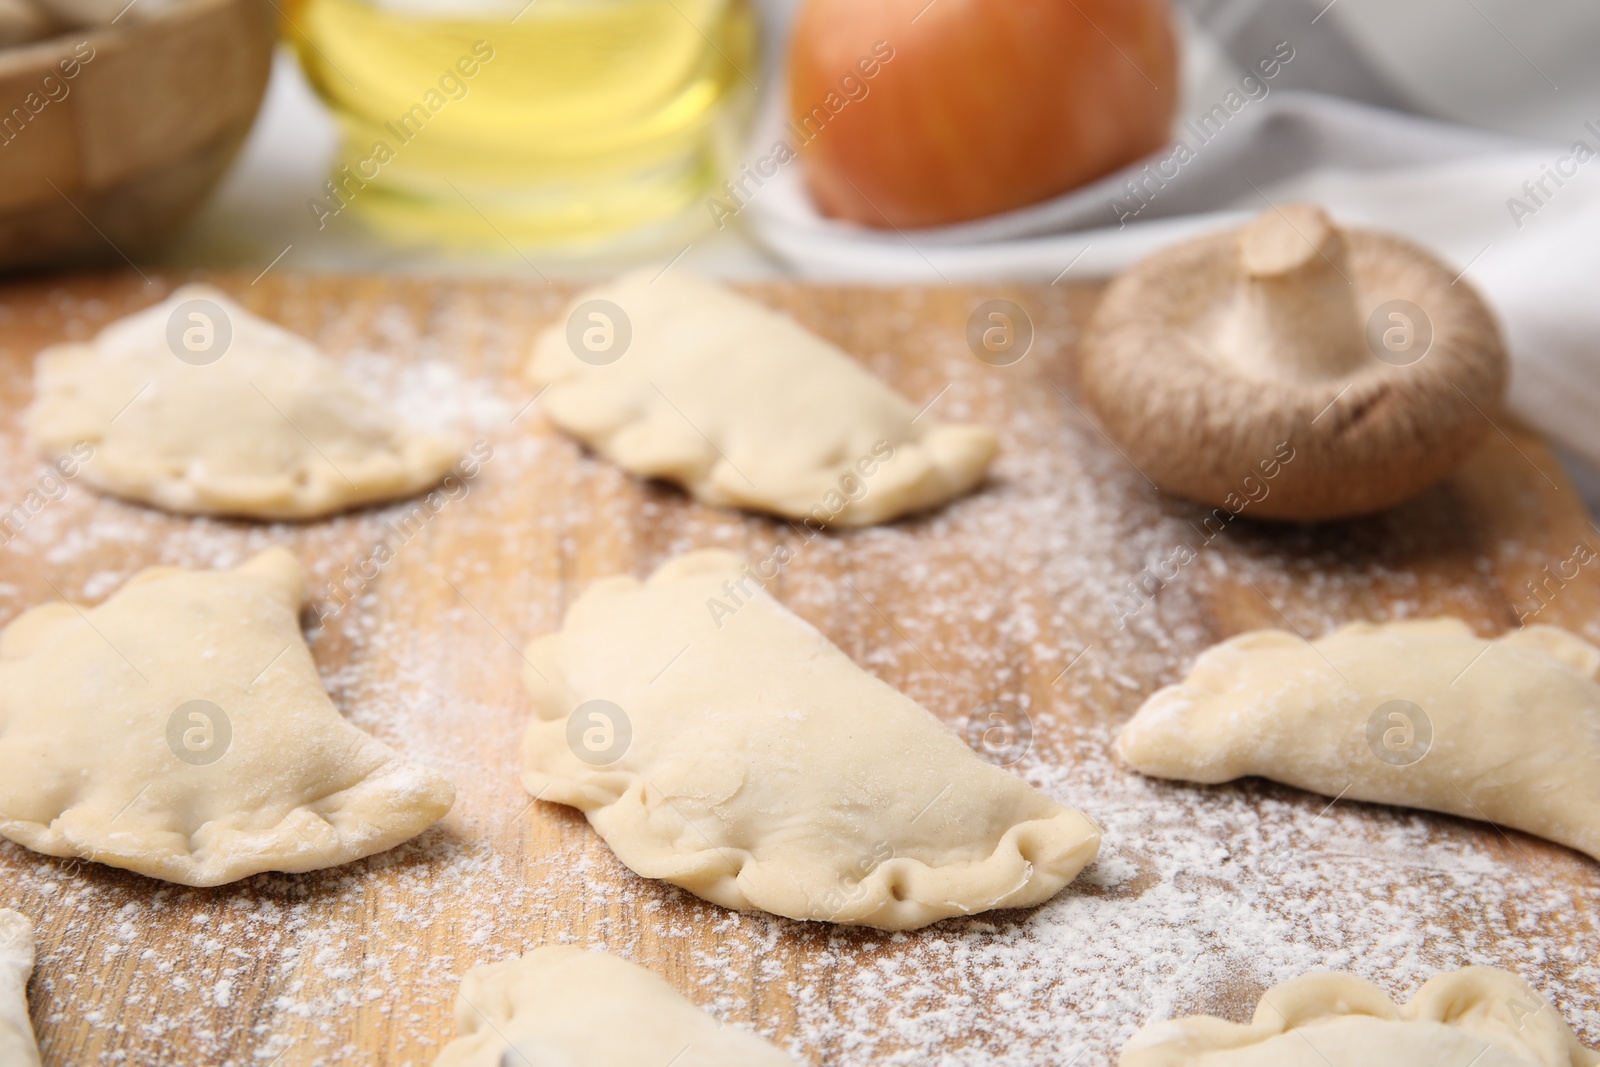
x=1293 y=369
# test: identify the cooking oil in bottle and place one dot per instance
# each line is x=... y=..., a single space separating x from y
x=554 y=123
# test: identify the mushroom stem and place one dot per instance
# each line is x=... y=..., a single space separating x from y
x=1296 y=312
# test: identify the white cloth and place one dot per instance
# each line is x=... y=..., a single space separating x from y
x=1447 y=186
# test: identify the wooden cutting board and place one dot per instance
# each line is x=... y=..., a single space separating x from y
x=1017 y=599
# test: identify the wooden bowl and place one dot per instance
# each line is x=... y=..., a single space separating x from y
x=110 y=136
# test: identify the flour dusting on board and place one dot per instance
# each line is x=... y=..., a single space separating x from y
x=1034 y=591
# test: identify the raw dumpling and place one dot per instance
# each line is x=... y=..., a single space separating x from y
x=17 y=1048
x=180 y=730
x=1420 y=713
x=197 y=406
x=1477 y=1017
x=562 y=1006
x=744 y=407
x=717 y=741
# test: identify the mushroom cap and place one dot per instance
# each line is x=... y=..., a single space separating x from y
x=1293 y=370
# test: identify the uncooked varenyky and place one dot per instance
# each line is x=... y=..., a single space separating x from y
x=180 y=730
x=1477 y=1017
x=197 y=406
x=1421 y=713
x=745 y=758
x=561 y=1005
x=17 y=1048
x=698 y=385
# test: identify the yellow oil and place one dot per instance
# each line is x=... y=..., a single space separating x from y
x=568 y=123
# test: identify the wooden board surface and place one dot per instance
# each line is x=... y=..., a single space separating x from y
x=1018 y=594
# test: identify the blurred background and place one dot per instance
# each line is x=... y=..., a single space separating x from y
x=897 y=140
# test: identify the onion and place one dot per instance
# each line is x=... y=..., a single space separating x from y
x=909 y=113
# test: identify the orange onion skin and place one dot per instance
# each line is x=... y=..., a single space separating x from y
x=982 y=106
